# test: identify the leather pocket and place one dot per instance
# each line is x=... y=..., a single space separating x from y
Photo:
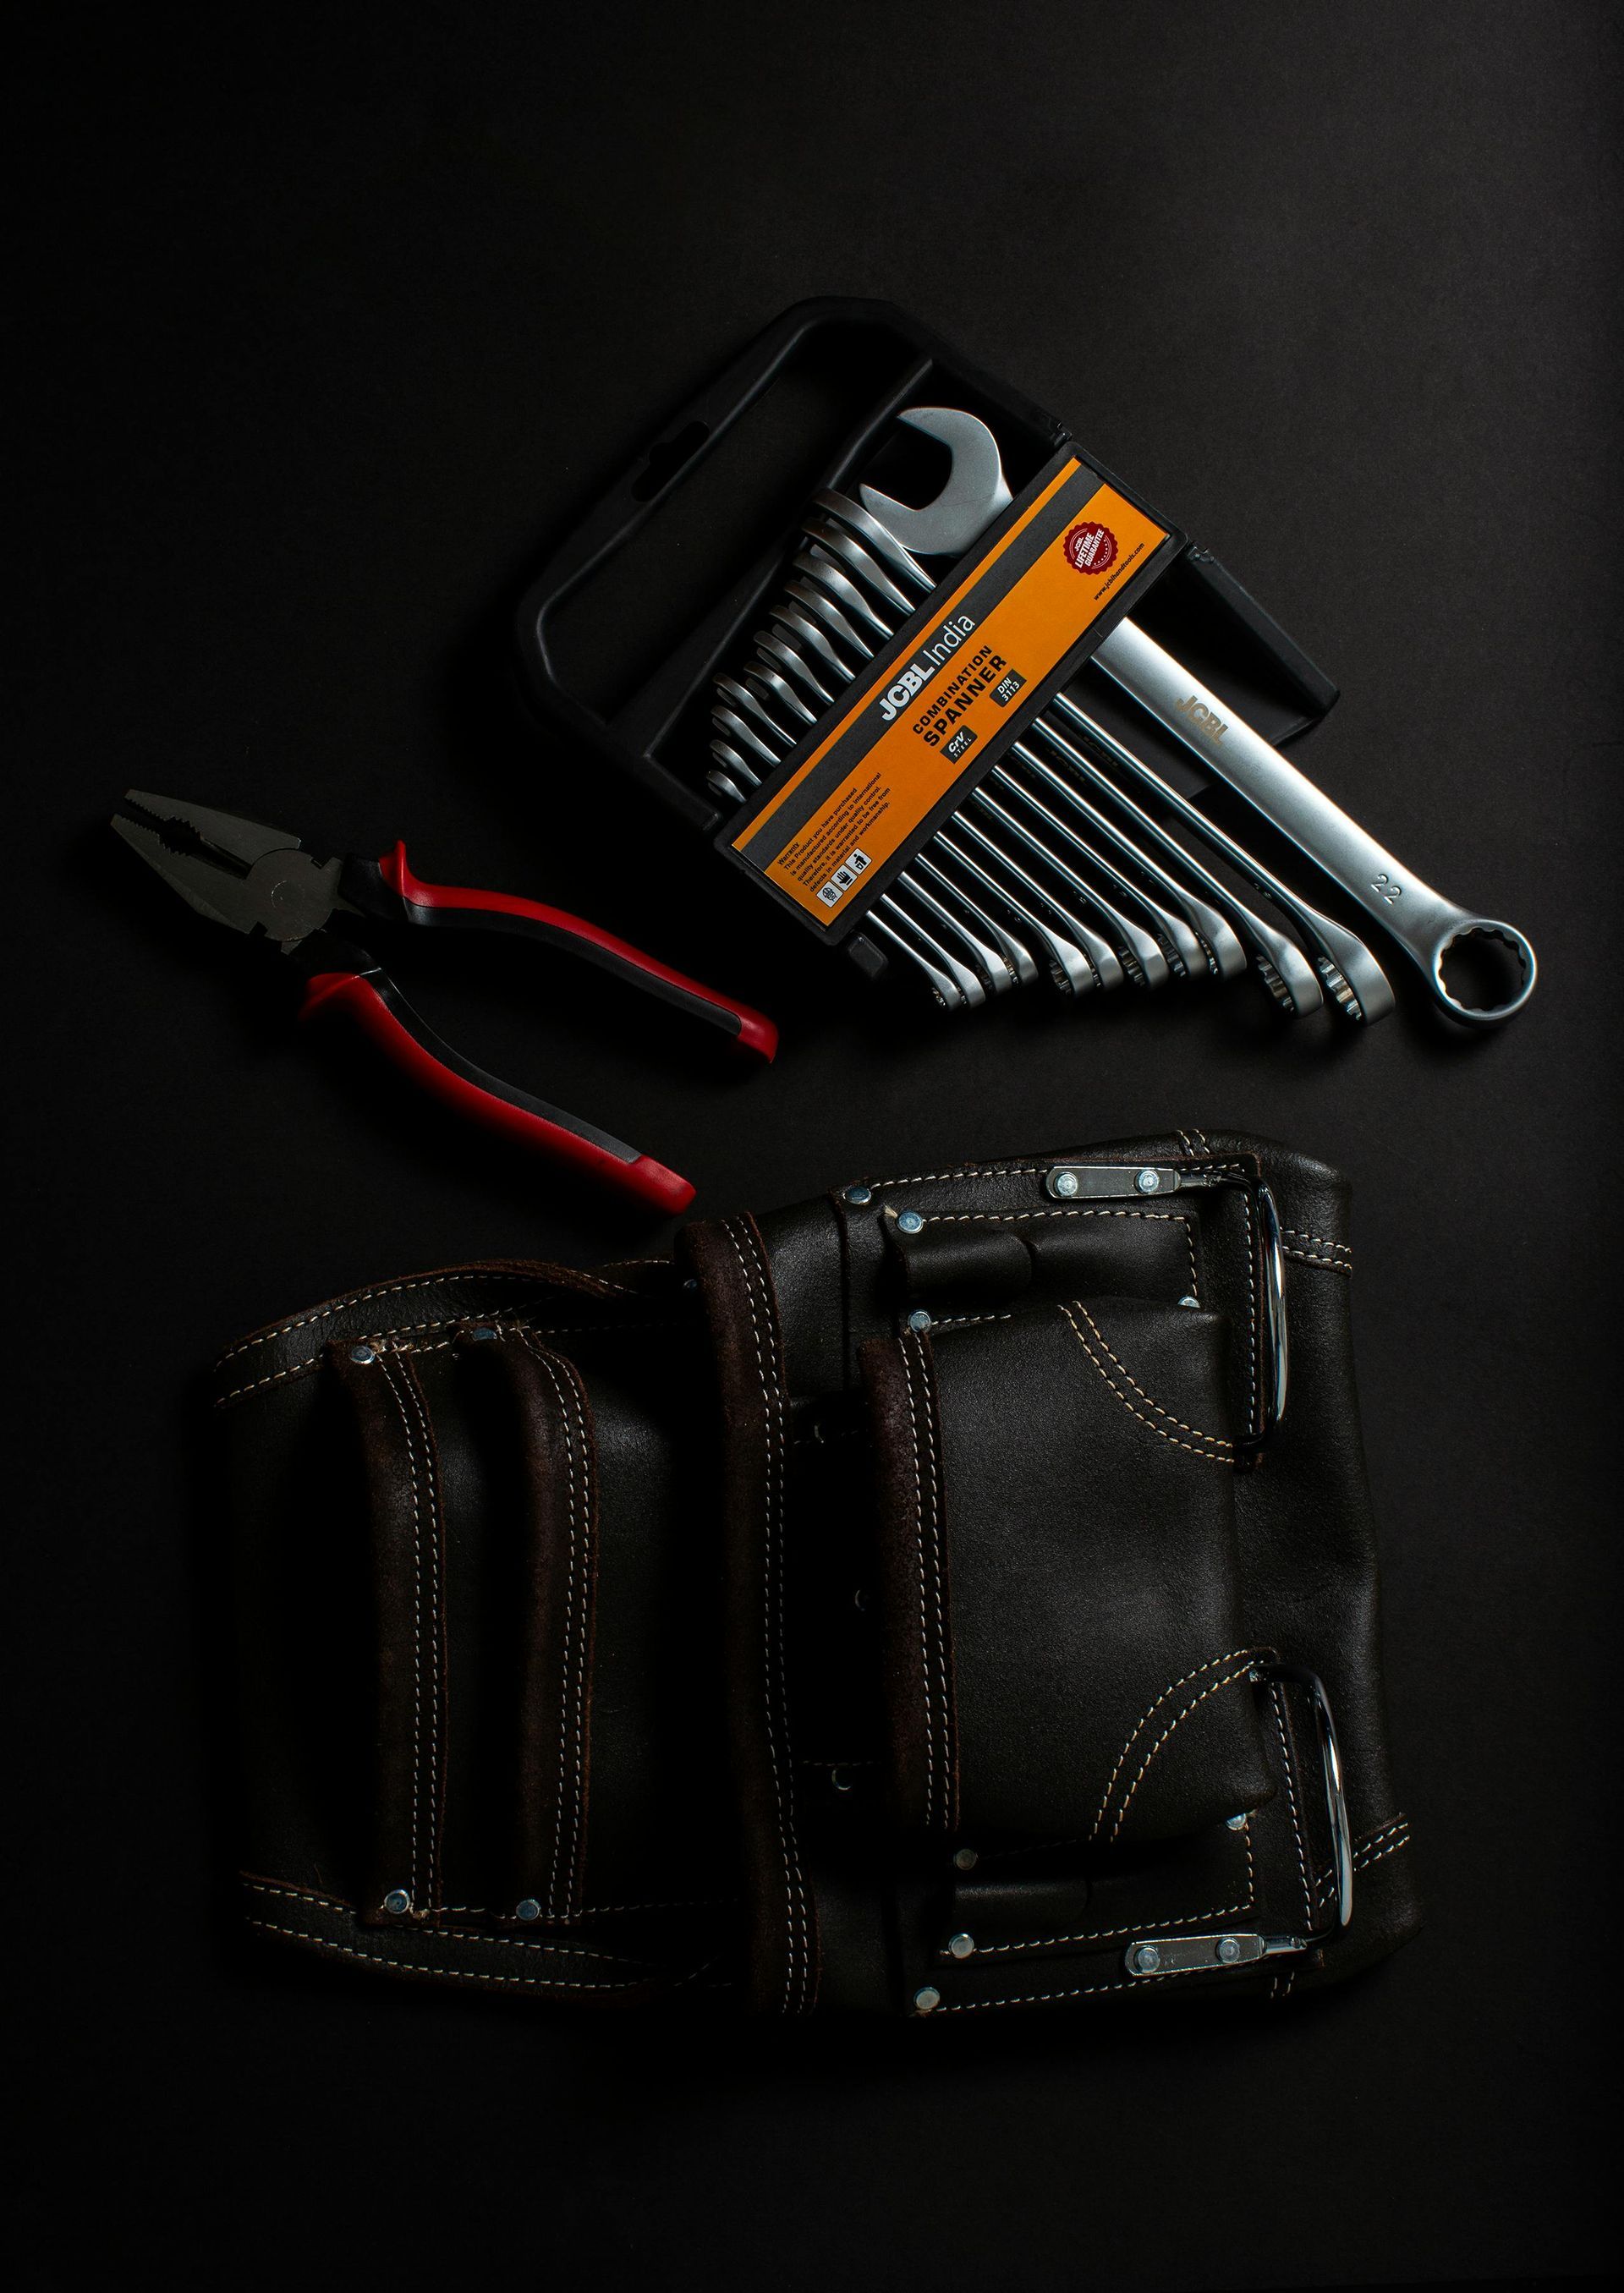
x=541 y=1751
x=1063 y=1653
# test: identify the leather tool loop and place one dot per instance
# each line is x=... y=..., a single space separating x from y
x=402 y=1482
x=557 y=1591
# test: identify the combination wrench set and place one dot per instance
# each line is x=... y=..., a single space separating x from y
x=948 y=735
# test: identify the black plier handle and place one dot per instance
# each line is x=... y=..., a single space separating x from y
x=254 y=878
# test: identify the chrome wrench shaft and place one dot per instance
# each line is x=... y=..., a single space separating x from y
x=1425 y=924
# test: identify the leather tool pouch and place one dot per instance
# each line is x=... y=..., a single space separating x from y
x=956 y=1592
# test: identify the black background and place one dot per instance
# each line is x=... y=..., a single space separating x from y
x=332 y=323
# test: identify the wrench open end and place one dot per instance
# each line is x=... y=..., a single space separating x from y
x=975 y=493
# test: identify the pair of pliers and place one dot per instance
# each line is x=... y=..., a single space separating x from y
x=259 y=880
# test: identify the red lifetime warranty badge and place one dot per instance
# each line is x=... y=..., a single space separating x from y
x=1091 y=546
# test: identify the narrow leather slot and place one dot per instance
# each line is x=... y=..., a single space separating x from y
x=556 y=1588
x=406 y=1533
x=915 y=1603
x=959 y=1265
x=971 y=1263
x=1064 y=1655
x=733 y=1274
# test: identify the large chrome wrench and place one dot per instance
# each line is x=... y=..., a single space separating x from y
x=1425 y=924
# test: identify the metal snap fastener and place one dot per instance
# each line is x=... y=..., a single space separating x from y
x=857 y=1194
x=1190 y=1301
x=1148 y=1182
x=961 y=1946
x=965 y=1858
x=1229 y=1950
x=925 y=2001
x=1235 y=1823
x=363 y=1354
x=910 y=1222
x=527 y=1910
x=1147 y=1958
x=919 y=1319
x=841 y=1779
x=482 y=1330
x=397 y=1902
x=1065 y=1182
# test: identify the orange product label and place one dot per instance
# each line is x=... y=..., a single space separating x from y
x=969 y=658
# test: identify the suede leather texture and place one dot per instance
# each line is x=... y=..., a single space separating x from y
x=741 y=1626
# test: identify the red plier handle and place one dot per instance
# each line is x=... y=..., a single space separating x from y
x=347 y=979
x=460 y=907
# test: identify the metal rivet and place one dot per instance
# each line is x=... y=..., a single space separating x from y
x=919 y=1319
x=961 y=1946
x=1190 y=1301
x=965 y=1858
x=859 y=1600
x=363 y=1354
x=397 y=1902
x=1065 y=1182
x=692 y=1283
x=859 y=1194
x=1148 y=1182
x=1229 y=1950
x=527 y=1910
x=925 y=2001
x=841 y=1779
x=1236 y=1823
x=483 y=1330
x=910 y=1222
x=1147 y=1958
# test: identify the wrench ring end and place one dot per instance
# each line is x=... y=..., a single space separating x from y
x=1485 y=927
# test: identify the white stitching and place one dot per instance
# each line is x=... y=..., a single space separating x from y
x=1307 y=1258
x=796 y=1937
x=561 y=1882
x=1254 y=1282
x=477 y=1910
x=1137 y=1926
x=392 y=1339
x=964 y=1170
x=919 y=1554
x=436 y=1631
x=1024 y=1218
x=1391 y=1848
x=1385 y=1840
x=1373 y=1838
x=1225 y=1449
x=1318 y=1241
x=1278 y=1699
x=1084 y=1990
x=455 y=1973
x=417 y=1624
x=916 y=1414
x=1149 y=1713
x=447 y=1275
x=546 y=1943
x=679 y=1903
x=1227 y=1680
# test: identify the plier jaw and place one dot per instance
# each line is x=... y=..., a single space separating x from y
x=255 y=879
x=237 y=872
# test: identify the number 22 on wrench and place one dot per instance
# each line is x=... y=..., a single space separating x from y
x=1425 y=924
